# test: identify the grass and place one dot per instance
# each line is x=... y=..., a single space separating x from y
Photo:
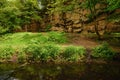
x=45 y=47
x=15 y=40
x=22 y=39
x=42 y=52
x=38 y=47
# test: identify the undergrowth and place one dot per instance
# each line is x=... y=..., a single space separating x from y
x=45 y=47
x=103 y=51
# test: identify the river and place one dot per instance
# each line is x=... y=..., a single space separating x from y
x=81 y=71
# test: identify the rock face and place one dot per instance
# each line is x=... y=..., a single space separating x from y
x=75 y=21
x=70 y=21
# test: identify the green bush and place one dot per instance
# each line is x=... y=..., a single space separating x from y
x=73 y=53
x=33 y=51
x=14 y=16
x=58 y=37
x=52 y=50
x=42 y=52
x=103 y=51
x=21 y=55
x=7 y=52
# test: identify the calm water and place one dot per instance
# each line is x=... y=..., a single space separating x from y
x=93 y=71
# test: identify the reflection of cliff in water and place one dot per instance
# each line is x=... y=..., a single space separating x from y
x=60 y=72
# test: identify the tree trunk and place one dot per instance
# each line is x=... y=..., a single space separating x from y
x=96 y=30
x=63 y=16
x=96 y=23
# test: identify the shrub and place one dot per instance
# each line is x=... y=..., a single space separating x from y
x=7 y=52
x=52 y=50
x=14 y=16
x=73 y=53
x=42 y=52
x=58 y=37
x=103 y=51
x=33 y=51
x=21 y=55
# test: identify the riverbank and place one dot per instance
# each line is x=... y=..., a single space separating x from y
x=56 y=47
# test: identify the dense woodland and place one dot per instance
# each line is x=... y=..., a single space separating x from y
x=97 y=17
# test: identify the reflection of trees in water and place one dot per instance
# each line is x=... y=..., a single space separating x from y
x=38 y=72
x=66 y=72
x=6 y=71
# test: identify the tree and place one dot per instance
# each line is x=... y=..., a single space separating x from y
x=61 y=7
x=112 y=5
x=14 y=14
x=91 y=6
x=8 y=16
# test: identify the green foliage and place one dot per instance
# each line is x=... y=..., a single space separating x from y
x=72 y=53
x=38 y=47
x=29 y=11
x=58 y=37
x=25 y=38
x=9 y=18
x=48 y=27
x=6 y=53
x=113 y=5
x=21 y=55
x=42 y=52
x=50 y=37
x=114 y=17
x=90 y=3
x=52 y=50
x=3 y=30
x=103 y=51
x=62 y=5
x=33 y=51
x=16 y=15
x=40 y=40
x=2 y=3
x=91 y=6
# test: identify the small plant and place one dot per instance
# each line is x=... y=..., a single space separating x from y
x=103 y=51
x=73 y=53
x=48 y=27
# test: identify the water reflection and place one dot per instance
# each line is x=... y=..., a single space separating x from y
x=60 y=72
